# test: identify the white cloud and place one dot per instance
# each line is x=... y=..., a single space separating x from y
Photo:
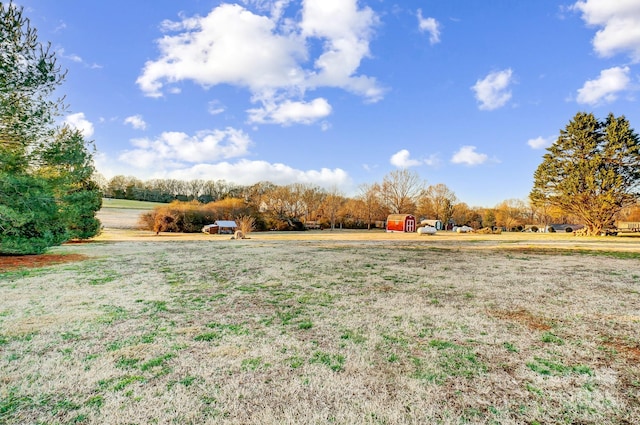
x=246 y=172
x=325 y=125
x=61 y=26
x=268 y=55
x=346 y=31
x=467 y=155
x=289 y=112
x=60 y=51
x=70 y=56
x=620 y=23
x=230 y=45
x=79 y=122
x=431 y=26
x=243 y=172
x=605 y=88
x=402 y=159
x=433 y=160
x=215 y=107
x=540 y=142
x=493 y=91
x=173 y=149
x=136 y=122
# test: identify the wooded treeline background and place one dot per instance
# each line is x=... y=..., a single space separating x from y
x=195 y=203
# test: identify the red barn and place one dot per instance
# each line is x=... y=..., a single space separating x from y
x=401 y=223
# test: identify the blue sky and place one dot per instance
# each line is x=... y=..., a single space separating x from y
x=340 y=92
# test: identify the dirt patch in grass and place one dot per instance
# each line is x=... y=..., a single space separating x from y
x=525 y=318
x=32 y=261
x=630 y=352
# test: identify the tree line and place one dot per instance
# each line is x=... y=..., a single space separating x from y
x=295 y=206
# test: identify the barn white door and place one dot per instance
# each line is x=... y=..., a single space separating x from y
x=411 y=226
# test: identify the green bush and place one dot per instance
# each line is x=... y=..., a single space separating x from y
x=29 y=218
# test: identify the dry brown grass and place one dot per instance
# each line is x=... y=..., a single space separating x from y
x=325 y=327
x=246 y=224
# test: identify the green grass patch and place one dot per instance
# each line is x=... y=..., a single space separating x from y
x=454 y=360
x=551 y=338
x=287 y=316
x=295 y=362
x=548 y=367
x=124 y=382
x=208 y=336
x=95 y=401
x=158 y=365
x=127 y=363
x=228 y=329
x=157 y=306
x=353 y=336
x=12 y=401
x=253 y=364
x=112 y=313
x=304 y=325
x=20 y=274
x=510 y=347
x=335 y=362
x=221 y=330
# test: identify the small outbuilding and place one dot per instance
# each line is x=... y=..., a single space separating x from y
x=401 y=223
x=220 y=226
x=433 y=223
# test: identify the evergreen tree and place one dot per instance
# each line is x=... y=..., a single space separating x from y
x=67 y=166
x=29 y=218
x=29 y=75
x=592 y=171
x=39 y=207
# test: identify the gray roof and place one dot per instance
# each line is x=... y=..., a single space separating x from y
x=225 y=223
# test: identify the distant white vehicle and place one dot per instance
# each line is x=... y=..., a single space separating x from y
x=427 y=230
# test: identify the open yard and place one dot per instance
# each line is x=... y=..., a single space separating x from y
x=324 y=328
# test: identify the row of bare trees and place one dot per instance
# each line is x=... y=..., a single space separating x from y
x=167 y=190
x=292 y=206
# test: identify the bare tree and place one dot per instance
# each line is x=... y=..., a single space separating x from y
x=332 y=203
x=371 y=197
x=257 y=194
x=195 y=188
x=511 y=213
x=400 y=191
x=437 y=202
x=312 y=197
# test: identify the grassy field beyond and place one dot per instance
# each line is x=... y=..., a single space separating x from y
x=128 y=204
x=279 y=330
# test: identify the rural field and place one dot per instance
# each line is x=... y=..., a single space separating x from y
x=343 y=327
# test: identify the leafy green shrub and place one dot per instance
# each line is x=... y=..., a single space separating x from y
x=29 y=218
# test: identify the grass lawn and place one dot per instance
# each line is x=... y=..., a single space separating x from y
x=129 y=204
x=324 y=330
